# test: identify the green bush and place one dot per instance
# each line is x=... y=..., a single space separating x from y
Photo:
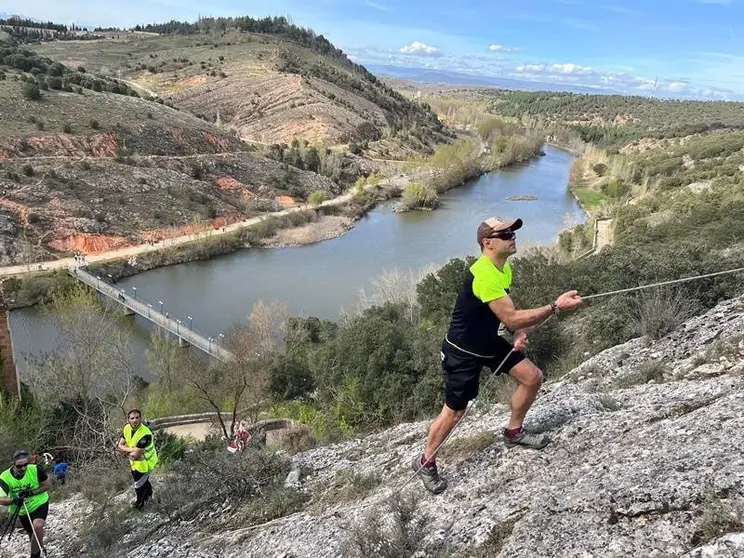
x=67 y=128
x=94 y=124
x=317 y=197
x=31 y=92
x=600 y=169
x=420 y=196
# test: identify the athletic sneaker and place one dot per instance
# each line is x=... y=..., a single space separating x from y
x=526 y=439
x=430 y=476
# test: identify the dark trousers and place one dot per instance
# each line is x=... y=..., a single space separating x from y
x=142 y=487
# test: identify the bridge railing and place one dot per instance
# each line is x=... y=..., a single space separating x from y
x=144 y=309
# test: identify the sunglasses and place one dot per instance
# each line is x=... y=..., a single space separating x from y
x=507 y=235
x=21 y=466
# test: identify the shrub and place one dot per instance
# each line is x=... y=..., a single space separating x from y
x=395 y=530
x=54 y=83
x=94 y=124
x=659 y=312
x=419 y=196
x=28 y=170
x=600 y=169
x=718 y=518
x=67 y=128
x=317 y=197
x=231 y=478
x=31 y=92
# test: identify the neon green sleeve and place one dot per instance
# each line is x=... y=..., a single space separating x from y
x=488 y=287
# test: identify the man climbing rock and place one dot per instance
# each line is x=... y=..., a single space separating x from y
x=472 y=342
x=139 y=443
x=27 y=488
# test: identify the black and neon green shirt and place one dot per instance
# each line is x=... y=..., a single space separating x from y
x=474 y=326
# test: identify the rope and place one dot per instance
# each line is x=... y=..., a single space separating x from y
x=662 y=283
x=42 y=554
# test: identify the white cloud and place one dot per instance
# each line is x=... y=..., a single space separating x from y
x=420 y=49
x=552 y=69
x=377 y=6
x=500 y=48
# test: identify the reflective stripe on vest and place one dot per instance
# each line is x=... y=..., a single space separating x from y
x=149 y=458
x=30 y=480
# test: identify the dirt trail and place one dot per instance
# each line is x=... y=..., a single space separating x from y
x=183 y=239
x=605 y=234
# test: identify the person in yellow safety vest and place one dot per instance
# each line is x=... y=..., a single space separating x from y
x=27 y=489
x=139 y=443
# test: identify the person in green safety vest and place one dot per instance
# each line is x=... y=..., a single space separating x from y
x=26 y=487
x=138 y=443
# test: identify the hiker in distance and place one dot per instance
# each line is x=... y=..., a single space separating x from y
x=472 y=342
x=138 y=443
x=27 y=486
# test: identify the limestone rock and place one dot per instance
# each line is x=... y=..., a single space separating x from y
x=630 y=470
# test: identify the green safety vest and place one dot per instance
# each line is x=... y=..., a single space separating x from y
x=29 y=481
x=149 y=458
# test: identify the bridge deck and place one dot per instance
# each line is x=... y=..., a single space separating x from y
x=147 y=311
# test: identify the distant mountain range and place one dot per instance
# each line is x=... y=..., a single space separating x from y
x=424 y=75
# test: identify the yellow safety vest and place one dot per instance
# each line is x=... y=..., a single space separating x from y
x=149 y=458
x=29 y=481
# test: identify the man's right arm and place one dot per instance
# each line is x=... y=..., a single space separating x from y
x=515 y=319
x=4 y=488
x=123 y=447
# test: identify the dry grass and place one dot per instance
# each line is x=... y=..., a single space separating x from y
x=460 y=449
x=719 y=517
x=661 y=311
x=394 y=530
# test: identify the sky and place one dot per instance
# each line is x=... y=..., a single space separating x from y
x=677 y=48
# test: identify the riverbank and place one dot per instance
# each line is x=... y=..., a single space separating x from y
x=326 y=227
x=293 y=227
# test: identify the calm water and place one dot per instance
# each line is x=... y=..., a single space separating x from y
x=321 y=279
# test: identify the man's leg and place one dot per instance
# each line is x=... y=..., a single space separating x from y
x=461 y=377
x=38 y=524
x=440 y=429
x=139 y=488
x=530 y=379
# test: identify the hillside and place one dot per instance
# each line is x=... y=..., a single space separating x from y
x=645 y=462
x=270 y=85
x=87 y=164
x=612 y=120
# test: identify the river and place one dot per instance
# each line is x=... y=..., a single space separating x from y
x=324 y=278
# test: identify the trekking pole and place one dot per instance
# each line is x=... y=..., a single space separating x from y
x=471 y=404
x=10 y=524
x=42 y=554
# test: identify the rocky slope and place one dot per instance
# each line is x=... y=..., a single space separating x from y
x=646 y=461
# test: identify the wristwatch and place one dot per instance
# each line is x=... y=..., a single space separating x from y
x=554 y=308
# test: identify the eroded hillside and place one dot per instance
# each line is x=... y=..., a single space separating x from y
x=266 y=87
x=87 y=164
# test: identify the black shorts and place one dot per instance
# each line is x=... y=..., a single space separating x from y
x=462 y=371
x=39 y=513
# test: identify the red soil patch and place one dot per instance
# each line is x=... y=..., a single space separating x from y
x=285 y=201
x=89 y=243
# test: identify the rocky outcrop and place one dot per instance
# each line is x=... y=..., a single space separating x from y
x=646 y=461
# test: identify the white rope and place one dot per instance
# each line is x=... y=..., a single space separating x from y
x=662 y=283
x=33 y=530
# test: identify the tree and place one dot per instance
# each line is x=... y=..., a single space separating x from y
x=89 y=375
x=311 y=159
